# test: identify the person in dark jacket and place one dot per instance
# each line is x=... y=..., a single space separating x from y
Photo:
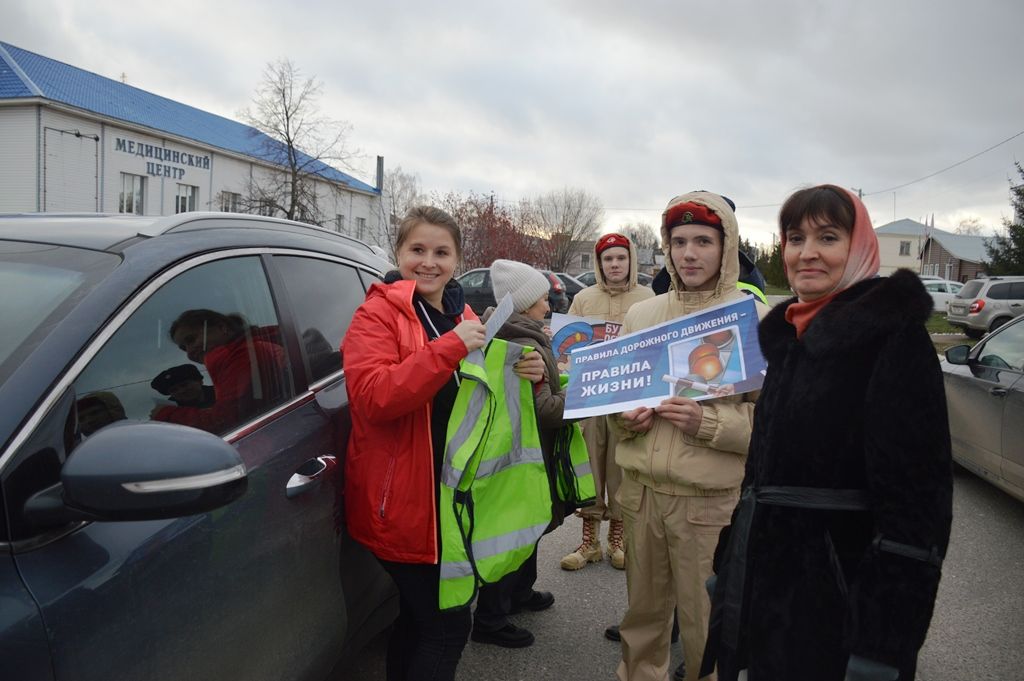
x=831 y=564
x=528 y=289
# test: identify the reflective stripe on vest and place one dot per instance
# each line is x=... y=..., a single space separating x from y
x=580 y=488
x=495 y=502
x=755 y=291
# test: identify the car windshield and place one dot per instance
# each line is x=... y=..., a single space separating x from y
x=41 y=284
x=970 y=289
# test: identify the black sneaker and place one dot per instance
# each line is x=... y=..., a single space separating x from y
x=538 y=600
x=509 y=636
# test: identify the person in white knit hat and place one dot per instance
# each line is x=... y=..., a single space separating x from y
x=528 y=289
x=525 y=284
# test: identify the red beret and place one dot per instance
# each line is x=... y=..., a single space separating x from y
x=610 y=240
x=691 y=214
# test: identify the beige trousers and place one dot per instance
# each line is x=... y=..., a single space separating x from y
x=670 y=544
x=607 y=474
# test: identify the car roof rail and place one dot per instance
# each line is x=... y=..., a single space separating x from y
x=183 y=221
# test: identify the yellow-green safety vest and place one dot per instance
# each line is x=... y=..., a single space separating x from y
x=495 y=499
x=574 y=478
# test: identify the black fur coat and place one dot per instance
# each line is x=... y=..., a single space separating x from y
x=856 y=403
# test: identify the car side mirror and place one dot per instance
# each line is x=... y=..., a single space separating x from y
x=958 y=354
x=142 y=471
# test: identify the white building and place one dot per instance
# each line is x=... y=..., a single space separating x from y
x=72 y=140
x=900 y=244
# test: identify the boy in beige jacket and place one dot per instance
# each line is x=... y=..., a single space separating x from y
x=616 y=290
x=682 y=461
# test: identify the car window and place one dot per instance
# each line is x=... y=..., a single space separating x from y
x=998 y=292
x=955 y=287
x=1017 y=290
x=935 y=287
x=323 y=295
x=204 y=351
x=41 y=283
x=1004 y=350
x=970 y=289
x=476 y=279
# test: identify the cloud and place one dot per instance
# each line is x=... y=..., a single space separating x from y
x=634 y=102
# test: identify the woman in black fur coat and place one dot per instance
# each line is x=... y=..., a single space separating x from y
x=830 y=567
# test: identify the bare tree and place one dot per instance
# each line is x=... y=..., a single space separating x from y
x=564 y=218
x=642 y=234
x=970 y=226
x=296 y=138
x=401 y=192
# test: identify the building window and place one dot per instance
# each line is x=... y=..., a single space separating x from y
x=585 y=261
x=133 y=188
x=229 y=202
x=339 y=223
x=360 y=228
x=265 y=207
x=904 y=248
x=186 y=198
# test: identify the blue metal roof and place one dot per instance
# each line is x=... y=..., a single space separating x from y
x=26 y=74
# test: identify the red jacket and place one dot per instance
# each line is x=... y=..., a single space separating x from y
x=230 y=367
x=392 y=374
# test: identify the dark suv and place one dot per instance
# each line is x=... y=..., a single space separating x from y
x=173 y=416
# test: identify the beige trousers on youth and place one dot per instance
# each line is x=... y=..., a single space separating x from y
x=670 y=544
x=607 y=474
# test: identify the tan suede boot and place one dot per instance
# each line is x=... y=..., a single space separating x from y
x=589 y=551
x=616 y=549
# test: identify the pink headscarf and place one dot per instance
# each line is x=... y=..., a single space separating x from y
x=862 y=263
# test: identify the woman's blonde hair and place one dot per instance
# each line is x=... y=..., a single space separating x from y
x=431 y=215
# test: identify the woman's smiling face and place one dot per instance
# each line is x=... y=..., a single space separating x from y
x=815 y=255
x=428 y=256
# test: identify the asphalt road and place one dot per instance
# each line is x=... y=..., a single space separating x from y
x=977 y=632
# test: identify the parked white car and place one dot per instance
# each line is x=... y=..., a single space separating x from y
x=942 y=291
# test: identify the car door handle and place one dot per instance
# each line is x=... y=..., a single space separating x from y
x=309 y=475
x=997 y=392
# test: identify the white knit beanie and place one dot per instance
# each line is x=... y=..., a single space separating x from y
x=526 y=284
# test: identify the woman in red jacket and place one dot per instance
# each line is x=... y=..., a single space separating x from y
x=401 y=356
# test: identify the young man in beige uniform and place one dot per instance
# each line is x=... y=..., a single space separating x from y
x=615 y=291
x=683 y=460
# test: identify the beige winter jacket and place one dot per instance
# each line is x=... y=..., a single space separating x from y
x=606 y=302
x=666 y=459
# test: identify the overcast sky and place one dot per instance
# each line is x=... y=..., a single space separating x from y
x=634 y=102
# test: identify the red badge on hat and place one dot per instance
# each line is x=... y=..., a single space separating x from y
x=610 y=240
x=690 y=213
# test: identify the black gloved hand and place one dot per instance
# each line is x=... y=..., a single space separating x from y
x=862 y=669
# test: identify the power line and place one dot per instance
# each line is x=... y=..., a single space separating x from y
x=938 y=172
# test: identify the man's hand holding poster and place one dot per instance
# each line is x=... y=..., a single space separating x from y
x=708 y=354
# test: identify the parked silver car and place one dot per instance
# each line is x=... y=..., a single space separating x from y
x=985 y=399
x=986 y=304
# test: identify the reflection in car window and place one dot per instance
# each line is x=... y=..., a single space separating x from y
x=323 y=296
x=202 y=351
x=1004 y=350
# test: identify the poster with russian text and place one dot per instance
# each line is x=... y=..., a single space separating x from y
x=708 y=354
